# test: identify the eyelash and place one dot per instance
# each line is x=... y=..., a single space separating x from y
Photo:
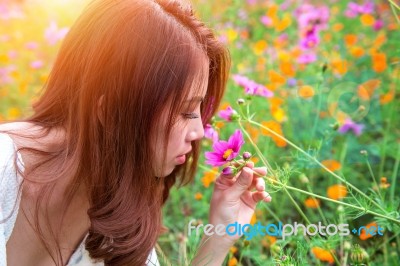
x=190 y=115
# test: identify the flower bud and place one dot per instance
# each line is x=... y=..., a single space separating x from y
x=246 y=155
x=347 y=245
x=240 y=101
x=303 y=179
x=364 y=152
x=358 y=255
x=324 y=67
x=335 y=126
x=235 y=116
x=228 y=170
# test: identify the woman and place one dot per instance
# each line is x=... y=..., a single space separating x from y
x=122 y=111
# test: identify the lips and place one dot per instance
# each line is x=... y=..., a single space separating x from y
x=181 y=159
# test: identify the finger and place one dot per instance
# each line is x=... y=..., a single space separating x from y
x=224 y=181
x=261 y=171
x=261 y=196
x=242 y=183
x=259 y=184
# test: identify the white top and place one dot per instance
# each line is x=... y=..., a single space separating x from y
x=10 y=181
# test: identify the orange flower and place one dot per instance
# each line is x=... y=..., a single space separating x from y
x=268 y=241
x=259 y=47
x=287 y=69
x=219 y=124
x=367 y=20
x=232 y=262
x=350 y=39
x=363 y=234
x=338 y=27
x=277 y=78
x=254 y=159
x=254 y=132
x=323 y=254
x=198 y=196
x=253 y=219
x=337 y=192
x=306 y=92
x=233 y=249
x=282 y=24
x=312 y=203
x=387 y=97
x=332 y=165
x=339 y=66
x=379 y=62
x=327 y=37
x=276 y=127
x=357 y=51
x=209 y=177
x=366 y=89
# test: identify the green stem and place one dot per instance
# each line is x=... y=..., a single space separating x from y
x=394 y=175
x=317 y=162
x=373 y=177
x=262 y=158
x=385 y=139
x=339 y=202
x=392 y=5
x=316 y=119
x=297 y=206
x=318 y=207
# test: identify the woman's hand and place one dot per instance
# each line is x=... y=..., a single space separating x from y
x=233 y=200
x=235 y=197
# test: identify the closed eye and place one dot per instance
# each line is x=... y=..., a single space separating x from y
x=190 y=115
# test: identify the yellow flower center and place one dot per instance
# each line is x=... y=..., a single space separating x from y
x=227 y=153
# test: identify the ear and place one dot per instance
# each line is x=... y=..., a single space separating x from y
x=100 y=110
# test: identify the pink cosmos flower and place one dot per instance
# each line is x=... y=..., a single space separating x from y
x=225 y=151
x=350 y=125
x=210 y=133
x=307 y=58
x=36 y=64
x=53 y=34
x=227 y=114
x=252 y=87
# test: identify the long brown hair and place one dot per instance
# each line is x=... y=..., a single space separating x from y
x=139 y=55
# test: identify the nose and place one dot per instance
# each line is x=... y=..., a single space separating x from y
x=196 y=130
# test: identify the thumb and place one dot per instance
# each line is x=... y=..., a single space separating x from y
x=242 y=183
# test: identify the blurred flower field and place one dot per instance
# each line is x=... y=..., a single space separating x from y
x=314 y=90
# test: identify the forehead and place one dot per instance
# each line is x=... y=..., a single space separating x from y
x=199 y=84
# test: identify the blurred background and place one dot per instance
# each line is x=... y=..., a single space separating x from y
x=323 y=76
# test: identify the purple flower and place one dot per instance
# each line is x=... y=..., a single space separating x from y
x=225 y=151
x=227 y=114
x=351 y=125
x=291 y=82
x=210 y=133
x=252 y=87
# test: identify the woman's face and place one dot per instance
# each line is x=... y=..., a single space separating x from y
x=188 y=128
